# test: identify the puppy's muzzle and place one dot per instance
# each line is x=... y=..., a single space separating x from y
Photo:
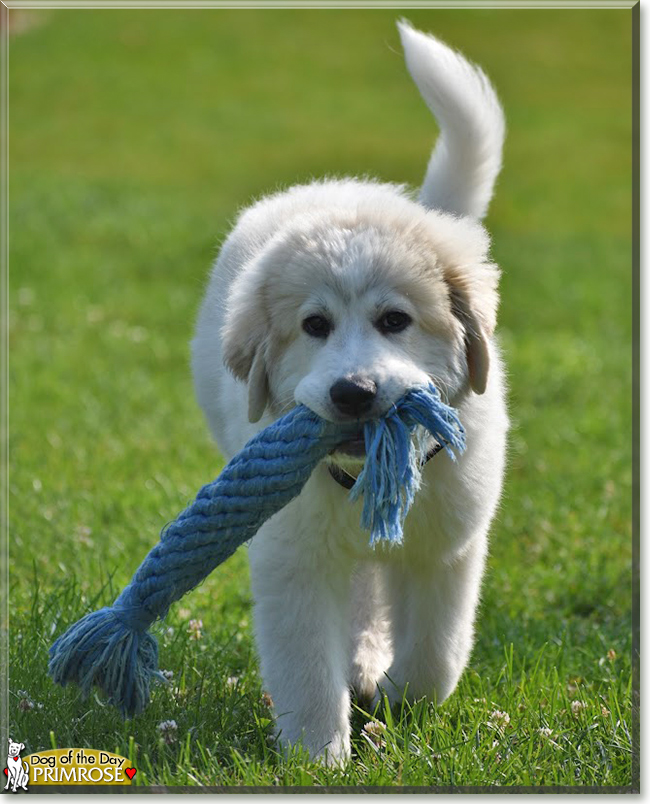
x=353 y=396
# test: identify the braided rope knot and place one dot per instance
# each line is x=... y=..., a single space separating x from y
x=112 y=649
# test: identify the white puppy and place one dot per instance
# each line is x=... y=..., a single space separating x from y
x=342 y=295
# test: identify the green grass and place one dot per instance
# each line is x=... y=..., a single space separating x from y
x=134 y=138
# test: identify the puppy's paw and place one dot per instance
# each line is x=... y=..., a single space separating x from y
x=364 y=680
x=372 y=658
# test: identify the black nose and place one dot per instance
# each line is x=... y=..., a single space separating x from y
x=353 y=396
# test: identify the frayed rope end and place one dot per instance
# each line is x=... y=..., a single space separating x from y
x=392 y=472
x=102 y=650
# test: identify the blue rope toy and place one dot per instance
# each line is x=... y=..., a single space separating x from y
x=112 y=649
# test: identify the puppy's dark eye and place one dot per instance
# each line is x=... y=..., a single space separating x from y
x=393 y=321
x=316 y=326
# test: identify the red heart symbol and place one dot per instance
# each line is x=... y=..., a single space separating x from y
x=130 y=772
x=6 y=772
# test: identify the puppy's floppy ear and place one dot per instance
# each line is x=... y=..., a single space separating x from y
x=258 y=385
x=474 y=301
x=461 y=246
x=245 y=342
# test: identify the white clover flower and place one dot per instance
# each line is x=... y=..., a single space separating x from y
x=577 y=707
x=168 y=731
x=26 y=704
x=499 y=719
x=374 y=733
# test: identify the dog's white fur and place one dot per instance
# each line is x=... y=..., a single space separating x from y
x=331 y=613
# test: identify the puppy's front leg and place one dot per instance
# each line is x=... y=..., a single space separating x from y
x=434 y=606
x=301 y=590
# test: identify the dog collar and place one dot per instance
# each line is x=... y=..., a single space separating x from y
x=347 y=480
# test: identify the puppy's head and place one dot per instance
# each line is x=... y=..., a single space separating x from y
x=344 y=312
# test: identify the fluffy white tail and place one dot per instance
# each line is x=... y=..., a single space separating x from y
x=466 y=161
